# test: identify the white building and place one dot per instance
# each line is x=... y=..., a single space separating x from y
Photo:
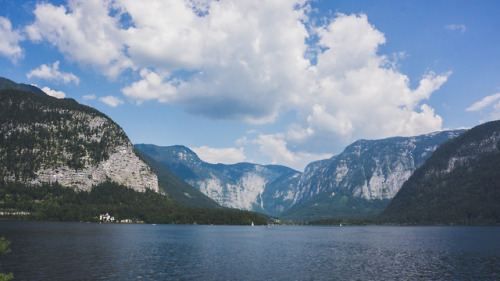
x=106 y=218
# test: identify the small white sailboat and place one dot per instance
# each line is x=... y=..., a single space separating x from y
x=252 y=224
x=340 y=224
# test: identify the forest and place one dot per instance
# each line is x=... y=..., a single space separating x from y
x=57 y=203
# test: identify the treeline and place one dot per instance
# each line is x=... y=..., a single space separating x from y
x=56 y=203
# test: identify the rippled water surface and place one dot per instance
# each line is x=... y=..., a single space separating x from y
x=81 y=251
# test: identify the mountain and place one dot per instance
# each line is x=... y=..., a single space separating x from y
x=177 y=188
x=6 y=84
x=458 y=184
x=60 y=160
x=363 y=178
x=45 y=139
x=263 y=188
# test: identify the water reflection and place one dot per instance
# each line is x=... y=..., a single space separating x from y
x=75 y=251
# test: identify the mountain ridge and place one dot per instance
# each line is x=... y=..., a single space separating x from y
x=459 y=184
x=243 y=185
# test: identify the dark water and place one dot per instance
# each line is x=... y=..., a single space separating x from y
x=80 y=251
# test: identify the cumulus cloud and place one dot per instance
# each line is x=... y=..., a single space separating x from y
x=250 y=61
x=52 y=73
x=152 y=86
x=54 y=93
x=486 y=101
x=9 y=44
x=220 y=155
x=84 y=32
x=111 y=101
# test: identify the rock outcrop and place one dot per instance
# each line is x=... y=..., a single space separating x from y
x=44 y=139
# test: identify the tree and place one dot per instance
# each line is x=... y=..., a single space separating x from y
x=4 y=249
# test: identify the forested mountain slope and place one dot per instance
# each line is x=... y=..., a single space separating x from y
x=458 y=184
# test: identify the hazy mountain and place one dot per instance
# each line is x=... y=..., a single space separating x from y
x=177 y=188
x=363 y=178
x=263 y=188
x=458 y=184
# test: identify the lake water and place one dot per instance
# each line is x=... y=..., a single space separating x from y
x=81 y=251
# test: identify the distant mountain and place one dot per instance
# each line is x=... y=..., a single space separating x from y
x=46 y=140
x=458 y=184
x=363 y=178
x=263 y=188
x=177 y=188
x=6 y=84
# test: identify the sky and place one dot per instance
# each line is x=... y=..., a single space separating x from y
x=282 y=82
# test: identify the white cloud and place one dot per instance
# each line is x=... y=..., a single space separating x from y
x=9 y=44
x=151 y=87
x=111 y=101
x=459 y=27
x=492 y=101
x=52 y=73
x=484 y=102
x=276 y=147
x=220 y=155
x=84 y=32
x=250 y=61
x=54 y=93
x=89 y=97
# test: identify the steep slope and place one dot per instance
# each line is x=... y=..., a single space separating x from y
x=6 y=84
x=177 y=188
x=370 y=170
x=263 y=188
x=46 y=140
x=458 y=184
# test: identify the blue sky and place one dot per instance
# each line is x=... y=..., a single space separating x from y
x=271 y=81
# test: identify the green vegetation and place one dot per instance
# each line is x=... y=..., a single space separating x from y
x=4 y=249
x=57 y=203
x=340 y=205
x=175 y=187
x=469 y=194
x=41 y=132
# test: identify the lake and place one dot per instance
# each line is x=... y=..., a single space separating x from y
x=82 y=251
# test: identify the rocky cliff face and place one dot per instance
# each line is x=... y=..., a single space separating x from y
x=368 y=170
x=262 y=188
x=43 y=139
x=458 y=184
x=371 y=169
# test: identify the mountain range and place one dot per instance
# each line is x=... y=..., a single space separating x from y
x=364 y=177
x=261 y=188
x=458 y=184
x=63 y=160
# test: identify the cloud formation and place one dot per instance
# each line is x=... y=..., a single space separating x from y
x=111 y=101
x=54 y=93
x=460 y=27
x=249 y=61
x=9 y=44
x=220 y=155
x=484 y=102
x=48 y=72
x=89 y=97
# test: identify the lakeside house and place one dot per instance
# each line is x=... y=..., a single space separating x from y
x=106 y=218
